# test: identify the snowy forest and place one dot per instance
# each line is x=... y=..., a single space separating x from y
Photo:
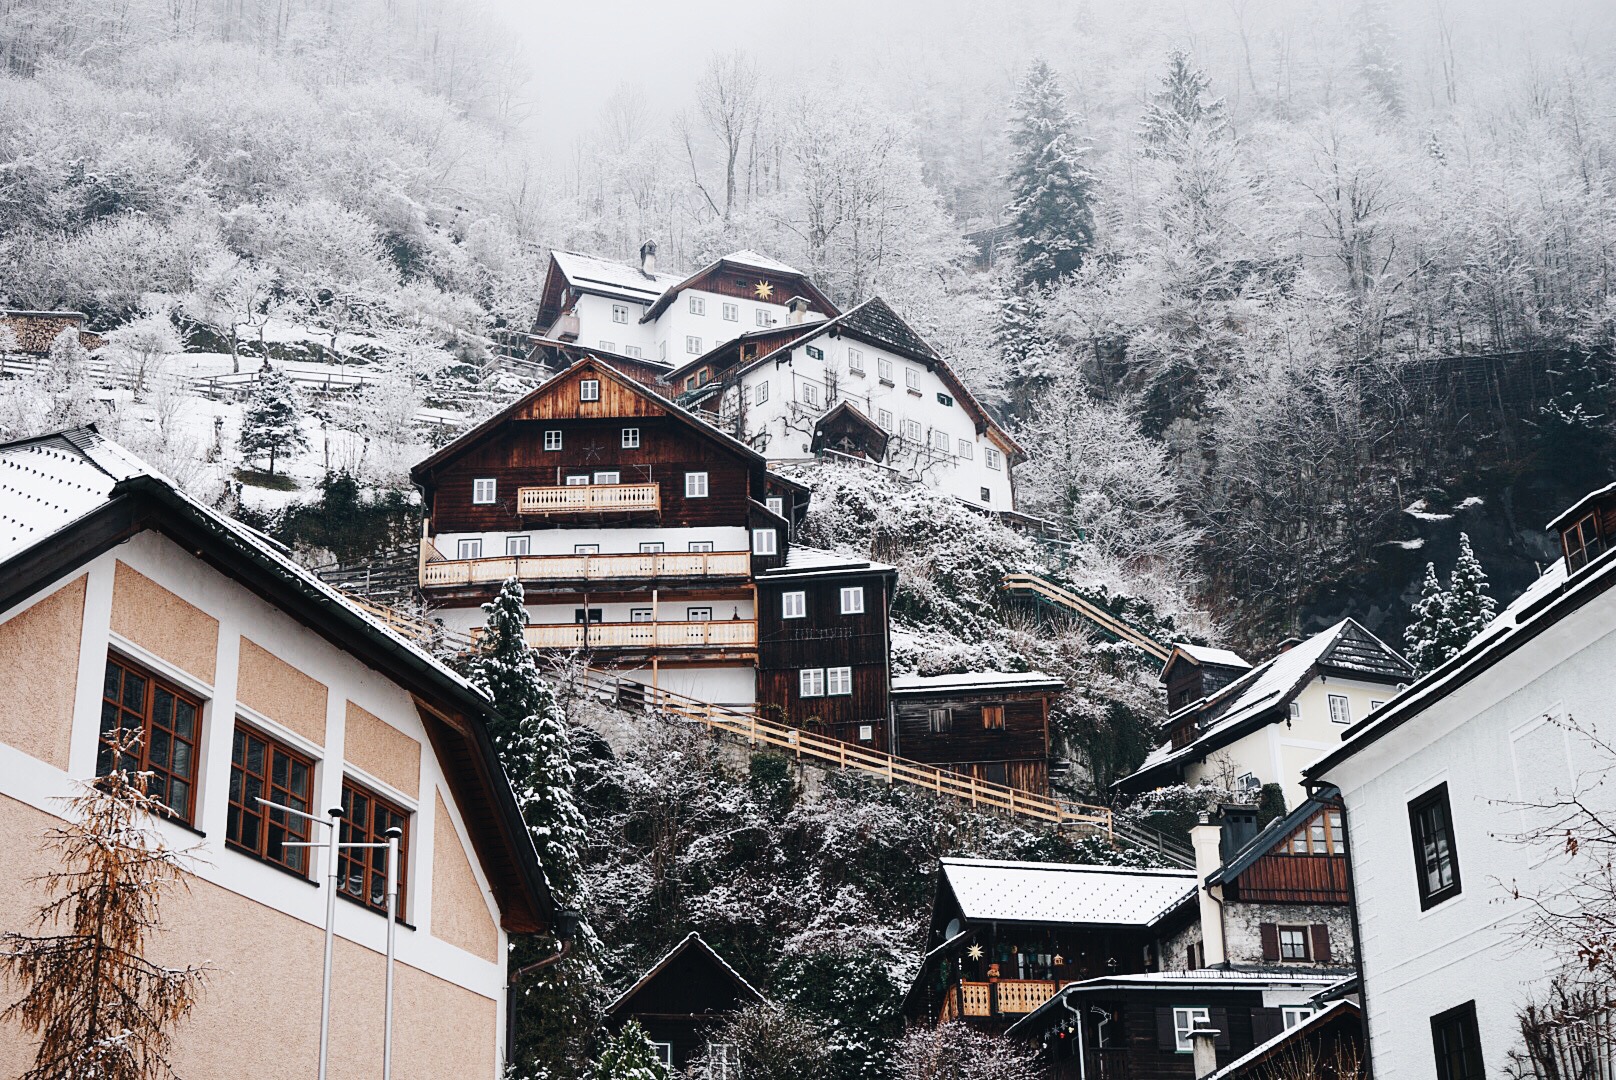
x=1282 y=298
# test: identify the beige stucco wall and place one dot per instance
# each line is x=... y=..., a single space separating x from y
x=382 y=750
x=281 y=692
x=39 y=652
x=459 y=911
x=259 y=1015
x=163 y=624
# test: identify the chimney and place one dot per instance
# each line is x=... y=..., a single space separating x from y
x=648 y=258
x=1204 y=837
x=1289 y=643
x=1204 y=1047
x=798 y=308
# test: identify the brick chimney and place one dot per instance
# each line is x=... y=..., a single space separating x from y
x=648 y=258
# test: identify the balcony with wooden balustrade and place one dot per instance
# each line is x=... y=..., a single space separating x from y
x=681 y=566
x=589 y=499
x=738 y=634
x=970 y=999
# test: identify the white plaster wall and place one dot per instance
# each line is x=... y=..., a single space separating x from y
x=731 y=685
x=1489 y=742
x=239 y=613
x=595 y=325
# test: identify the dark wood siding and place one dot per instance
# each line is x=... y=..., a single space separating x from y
x=1294 y=879
x=826 y=638
x=1018 y=755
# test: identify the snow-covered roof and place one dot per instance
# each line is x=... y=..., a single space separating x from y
x=593 y=274
x=806 y=561
x=971 y=680
x=994 y=890
x=748 y=257
x=1269 y=685
x=1295 y=1031
x=1578 y=508
x=1205 y=654
x=1169 y=981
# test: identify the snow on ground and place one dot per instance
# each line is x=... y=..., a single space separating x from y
x=1419 y=508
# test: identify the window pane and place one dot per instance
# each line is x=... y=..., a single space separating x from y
x=134 y=691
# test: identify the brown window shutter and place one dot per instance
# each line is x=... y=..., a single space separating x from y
x=1321 y=944
x=1166 y=1037
x=1270 y=940
x=1219 y=1018
x=1265 y=1024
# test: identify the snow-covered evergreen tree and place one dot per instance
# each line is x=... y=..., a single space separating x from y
x=534 y=746
x=1049 y=182
x=1029 y=358
x=1429 y=632
x=1181 y=108
x=628 y=1056
x=1470 y=608
x=273 y=420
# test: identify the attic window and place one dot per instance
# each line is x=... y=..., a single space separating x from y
x=589 y=390
x=944 y=399
x=1582 y=543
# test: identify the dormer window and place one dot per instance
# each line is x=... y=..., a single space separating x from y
x=1583 y=543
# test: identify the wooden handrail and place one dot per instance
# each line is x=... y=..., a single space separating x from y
x=1090 y=611
x=583 y=498
x=435 y=570
x=747 y=724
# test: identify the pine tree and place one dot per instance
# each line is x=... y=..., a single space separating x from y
x=273 y=419
x=535 y=748
x=1049 y=184
x=1028 y=355
x=628 y=1056
x=1181 y=110
x=1470 y=609
x=101 y=1009
x=1427 y=635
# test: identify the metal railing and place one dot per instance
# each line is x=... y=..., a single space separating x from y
x=438 y=570
x=587 y=498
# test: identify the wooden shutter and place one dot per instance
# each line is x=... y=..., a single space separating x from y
x=1166 y=1035
x=1270 y=940
x=1321 y=944
x=1219 y=1019
x=1265 y=1024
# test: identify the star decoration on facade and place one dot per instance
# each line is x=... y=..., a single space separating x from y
x=974 y=952
x=763 y=290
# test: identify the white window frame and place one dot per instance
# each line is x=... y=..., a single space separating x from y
x=698 y=304
x=639 y=614
x=700 y=546
x=1302 y=942
x=913 y=432
x=620 y=313
x=839 y=682
x=990 y=458
x=1340 y=709
x=469 y=548
x=794 y=605
x=765 y=542
x=1185 y=1020
x=883 y=369
x=760 y=393
x=608 y=346
x=586 y=549
x=576 y=480
x=631 y=438
x=987 y=494
x=776 y=505
x=552 y=439
x=884 y=420
x=853 y=600
x=663 y=1052
x=652 y=547
x=911 y=378
x=940 y=440
x=1296 y=711
x=692 y=345
x=518 y=545
x=605 y=477
x=588 y=389
x=732 y=312
x=484 y=491
x=855 y=361
x=698 y=614
x=695 y=485
x=1291 y=1015
x=634 y=351
x=967 y=450
x=809 y=394
x=811 y=682
x=763 y=317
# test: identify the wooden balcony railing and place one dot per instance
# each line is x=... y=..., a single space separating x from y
x=1001 y=997
x=736 y=633
x=438 y=571
x=588 y=498
x=1022 y=995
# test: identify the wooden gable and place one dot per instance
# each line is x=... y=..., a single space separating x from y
x=1306 y=864
x=745 y=282
x=616 y=397
x=1587 y=530
x=848 y=431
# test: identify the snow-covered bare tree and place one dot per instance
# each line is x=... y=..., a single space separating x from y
x=143 y=348
x=767 y=1042
x=953 y=1051
x=87 y=987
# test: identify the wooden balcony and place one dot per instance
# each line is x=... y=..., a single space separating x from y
x=724 y=633
x=436 y=571
x=1000 y=997
x=588 y=499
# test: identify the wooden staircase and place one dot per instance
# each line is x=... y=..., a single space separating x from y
x=746 y=724
x=1031 y=586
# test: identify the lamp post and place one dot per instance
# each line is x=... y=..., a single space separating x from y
x=334 y=845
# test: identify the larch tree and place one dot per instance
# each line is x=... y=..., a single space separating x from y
x=628 y=1055
x=1050 y=185
x=102 y=1010
x=534 y=746
x=273 y=420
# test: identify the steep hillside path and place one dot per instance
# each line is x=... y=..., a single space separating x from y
x=1033 y=587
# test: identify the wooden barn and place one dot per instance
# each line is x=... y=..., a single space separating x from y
x=682 y=1001
x=987 y=724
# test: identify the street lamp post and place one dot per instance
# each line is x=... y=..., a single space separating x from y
x=334 y=845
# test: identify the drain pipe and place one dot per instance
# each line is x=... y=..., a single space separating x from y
x=1082 y=1058
x=566 y=928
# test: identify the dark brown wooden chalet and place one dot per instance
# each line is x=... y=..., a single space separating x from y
x=991 y=725
x=1300 y=858
x=1006 y=936
x=1328 y=1045
x=682 y=1000
x=824 y=646
x=1136 y=1027
x=1193 y=672
x=1588 y=529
